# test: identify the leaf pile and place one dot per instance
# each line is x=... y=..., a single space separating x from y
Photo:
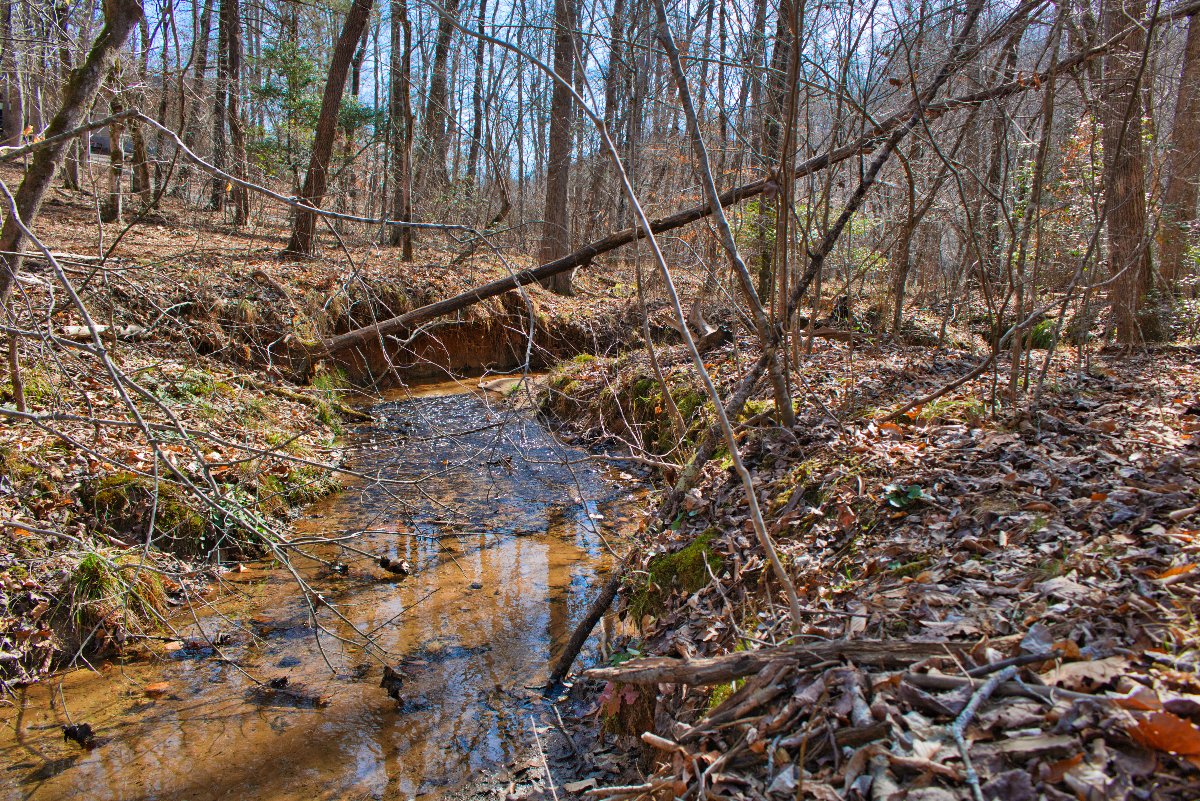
x=1059 y=543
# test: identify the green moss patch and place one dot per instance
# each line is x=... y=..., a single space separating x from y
x=126 y=505
x=686 y=570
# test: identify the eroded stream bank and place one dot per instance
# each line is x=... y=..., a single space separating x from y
x=504 y=529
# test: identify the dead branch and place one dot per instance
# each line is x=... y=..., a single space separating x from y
x=717 y=669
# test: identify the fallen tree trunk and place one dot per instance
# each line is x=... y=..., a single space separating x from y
x=718 y=669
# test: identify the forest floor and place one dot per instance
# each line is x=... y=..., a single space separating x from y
x=939 y=548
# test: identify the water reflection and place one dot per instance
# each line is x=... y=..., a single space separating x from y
x=502 y=526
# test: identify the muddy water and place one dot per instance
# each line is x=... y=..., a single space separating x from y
x=503 y=528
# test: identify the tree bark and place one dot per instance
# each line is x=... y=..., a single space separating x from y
x=232 y=34
x=120 y=17
x=317 y=178
x=191 y=131
x=62 y=13
x=435 y=146
x=1125 y=173
x=400 y=109
x=556 y=231
x=14 y=98
x=220 y=106
x=477 y=100
x=1183 y=168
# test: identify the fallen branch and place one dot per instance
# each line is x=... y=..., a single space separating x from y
x=718 y=669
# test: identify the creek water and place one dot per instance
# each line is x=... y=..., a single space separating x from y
x=504 y=529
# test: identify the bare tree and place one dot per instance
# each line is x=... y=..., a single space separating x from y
x=120 y=17
x=401 y=128
x=316 y=179
x=556 y=231
x=1125 y=171
x=1183 y=165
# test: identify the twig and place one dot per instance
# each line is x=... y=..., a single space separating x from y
x=542 y=755
x=967 y=715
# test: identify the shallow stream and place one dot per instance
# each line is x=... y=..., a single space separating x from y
x=503 y=527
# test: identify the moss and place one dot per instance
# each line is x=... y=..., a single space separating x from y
x=13 y=466
x=583 y=358
x=38 y=385
x=943 y=410
x=307 y=484
x=244 y=311
x=258 y=408
x=686 y=570
x=722 y=692
x=122 y=505
x=645 y=389
x=909 y=569
x=329 y=381
x=1041 y=336
x=753 y=408
x=270 y=496
x=191 y=385
x=116 y=593
x=688 y=400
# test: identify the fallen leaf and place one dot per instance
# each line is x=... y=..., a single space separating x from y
x=1086 y=675
x=1163 y=731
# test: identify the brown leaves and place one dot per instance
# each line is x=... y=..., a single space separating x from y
x=1164 y=731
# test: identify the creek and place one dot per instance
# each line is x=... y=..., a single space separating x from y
x=505 y=530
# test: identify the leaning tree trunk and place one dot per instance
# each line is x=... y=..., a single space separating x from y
x=556 y=234
x=1183 y=167
x=316 y=180
x=1125 y=173
x=120 y=17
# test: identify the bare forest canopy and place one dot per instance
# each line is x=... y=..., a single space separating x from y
x=1056 y=162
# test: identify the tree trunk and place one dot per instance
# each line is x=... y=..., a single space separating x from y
x=435 y=146
x=1183 y=167
x=216 y=195
x=556 y=234
x=477 y=100
x=191 y=131
x=62 y=13
x=112 y=209
x=140 y=163
x=14 y=99
x=317 y=178
x=1125 y=173
x=232 y=34
x=401 y=128
x=120 y=18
